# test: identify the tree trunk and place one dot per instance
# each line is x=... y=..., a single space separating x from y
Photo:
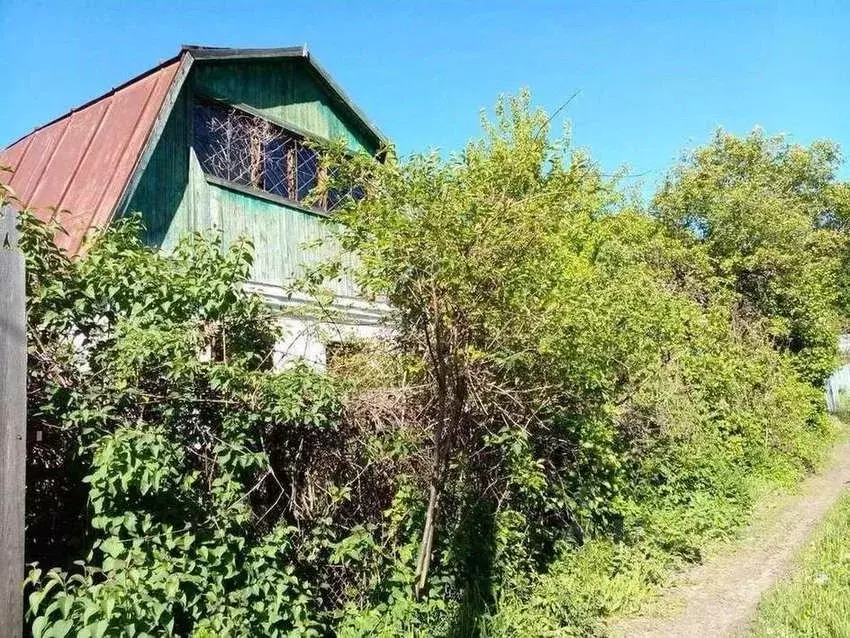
x=423 y=561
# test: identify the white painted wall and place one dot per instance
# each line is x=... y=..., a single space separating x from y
x=306 y=338
x=309 y=328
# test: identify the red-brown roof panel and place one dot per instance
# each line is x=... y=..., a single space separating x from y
x=104 y=155
x=93 y=200
x=82 y=162
x=31 y=167
x=12 y=155
x=66 y=155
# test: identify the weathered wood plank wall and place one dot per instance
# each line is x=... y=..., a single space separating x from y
x=282 y=90
x=13 y=403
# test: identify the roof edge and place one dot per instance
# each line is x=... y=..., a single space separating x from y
x=336 y=90
x=108 y=93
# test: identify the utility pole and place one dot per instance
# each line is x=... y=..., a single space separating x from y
x=13 y=409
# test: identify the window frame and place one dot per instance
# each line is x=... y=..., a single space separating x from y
x=294 y=130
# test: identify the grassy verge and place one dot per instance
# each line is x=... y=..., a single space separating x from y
x=815 y=601
x=588 y=589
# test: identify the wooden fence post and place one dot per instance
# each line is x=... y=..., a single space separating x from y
x=13 y=406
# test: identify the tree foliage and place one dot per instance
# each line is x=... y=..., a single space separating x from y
x=762 y=210
x=586 y=368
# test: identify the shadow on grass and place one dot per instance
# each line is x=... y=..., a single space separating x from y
x=476 y=545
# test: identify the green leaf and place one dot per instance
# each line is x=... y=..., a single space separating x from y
x=38 y=627
x=59 y=629
x=112 y=547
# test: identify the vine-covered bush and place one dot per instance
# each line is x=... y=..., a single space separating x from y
x=578 y=394
x=151 y=375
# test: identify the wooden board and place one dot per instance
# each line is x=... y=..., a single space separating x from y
x=13 y=404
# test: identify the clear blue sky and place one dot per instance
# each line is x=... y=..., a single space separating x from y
x=655 y=77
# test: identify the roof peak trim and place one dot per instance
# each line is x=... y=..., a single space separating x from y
x=225 y=53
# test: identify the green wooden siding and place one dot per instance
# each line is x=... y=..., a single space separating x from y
x=281 y=89
x=174 y=196
x=163 y=195
x=279 y=234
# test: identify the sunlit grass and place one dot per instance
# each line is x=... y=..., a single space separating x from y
x=815 y=600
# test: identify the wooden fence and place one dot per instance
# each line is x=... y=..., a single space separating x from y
x=13 y=401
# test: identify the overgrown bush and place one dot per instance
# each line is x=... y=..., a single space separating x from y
x=764 y=212
x=194 y=480
x=600 y=380
x=579 y=394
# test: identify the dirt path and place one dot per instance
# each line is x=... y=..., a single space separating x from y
x=719 y=597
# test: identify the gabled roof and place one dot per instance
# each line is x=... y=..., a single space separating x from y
x=84 y=162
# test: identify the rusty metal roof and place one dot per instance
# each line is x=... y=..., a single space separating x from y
x=81 y=165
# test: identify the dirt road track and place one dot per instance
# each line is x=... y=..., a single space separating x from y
x=719 y=597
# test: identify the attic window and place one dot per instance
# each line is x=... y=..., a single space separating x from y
x=245 y=149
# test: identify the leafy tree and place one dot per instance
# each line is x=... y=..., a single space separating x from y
x=761 y=209
x=571 y=354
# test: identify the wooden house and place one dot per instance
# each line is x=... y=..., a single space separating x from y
x=212 y=138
